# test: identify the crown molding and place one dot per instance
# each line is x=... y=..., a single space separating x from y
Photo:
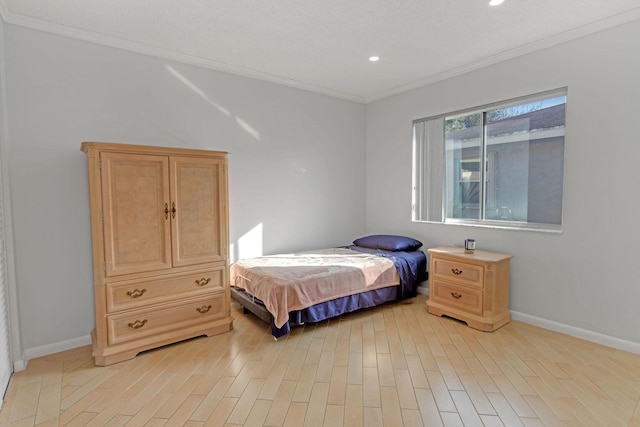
x=131 y=46
x=538 y=45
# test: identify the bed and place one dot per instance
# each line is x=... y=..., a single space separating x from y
x=293 y=289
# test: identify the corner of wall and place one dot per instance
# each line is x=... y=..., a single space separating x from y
x=48 y=349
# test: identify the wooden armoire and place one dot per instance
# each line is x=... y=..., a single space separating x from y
x=159 y=226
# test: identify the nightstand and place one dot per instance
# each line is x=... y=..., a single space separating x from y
x=472 y=287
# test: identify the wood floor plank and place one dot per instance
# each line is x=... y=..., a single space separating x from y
x=240 y=413
x=386 y=377
x=543 y=411
x=317 y=405
x=390 y=365
x=48 y=404
x=635 y=417
x=258 y=413
x=404 y=387
x=337 y=386
x=221 y=412
x=440 y=392
x=26 y=401
x=550 y=399
x=212 y=399
x=506 y=413
x=391 y=412
x=304 y=386
x=373 y=417
x=272 y=381
x=416 y=371
x=296 y=414
x=428 y=408
x=281 y=402
x=334 y=416
x=411 y=418
x=476 y=394
x=353 y=406
x=145 y=413
x=325 y=366
x=465 y=409
x=370 y=388
x=491 y=421
x=354 y=370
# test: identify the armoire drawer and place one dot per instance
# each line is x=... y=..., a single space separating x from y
x=141 y=293
x=142 y=323
x=459 y=271
x=459 y=297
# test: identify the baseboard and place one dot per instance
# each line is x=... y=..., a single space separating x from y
x=45 y=350
x=584 y=334
x=19 y=365
x=609 y=341
x=423 y=288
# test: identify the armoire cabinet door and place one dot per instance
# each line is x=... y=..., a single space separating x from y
x=136 y=203
x=198 y=227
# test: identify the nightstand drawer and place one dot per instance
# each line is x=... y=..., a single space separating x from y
x=468 y=273
x=142 y=323
x=459 y=297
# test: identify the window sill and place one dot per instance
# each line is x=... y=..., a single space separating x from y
x=541 y=228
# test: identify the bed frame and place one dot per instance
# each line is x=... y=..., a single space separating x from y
x=249 y=305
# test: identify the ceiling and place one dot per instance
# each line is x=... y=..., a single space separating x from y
x=324 y=45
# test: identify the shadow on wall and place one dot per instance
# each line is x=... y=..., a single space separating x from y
x=241 y=123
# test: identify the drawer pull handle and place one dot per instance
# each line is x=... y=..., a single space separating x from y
x=456 y=271
x=137 y=324
x=456 y=295
x=203 y=281
x=136 y=293
x=204 y=309
x=166 y=211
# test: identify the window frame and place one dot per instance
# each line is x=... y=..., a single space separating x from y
x=427 y=197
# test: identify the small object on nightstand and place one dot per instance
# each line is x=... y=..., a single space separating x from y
x=469 y=245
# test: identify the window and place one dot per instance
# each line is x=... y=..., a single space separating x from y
x=499 y=165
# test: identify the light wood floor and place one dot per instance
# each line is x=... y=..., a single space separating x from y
x=393 y=365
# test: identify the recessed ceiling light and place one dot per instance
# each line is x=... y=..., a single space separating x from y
x=496 y=2
x=374 y=58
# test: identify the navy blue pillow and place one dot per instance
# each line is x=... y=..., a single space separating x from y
x=388 y=242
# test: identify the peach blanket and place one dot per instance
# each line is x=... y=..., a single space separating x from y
x=295 y=281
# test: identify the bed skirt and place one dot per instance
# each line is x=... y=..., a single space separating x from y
x=320 y=311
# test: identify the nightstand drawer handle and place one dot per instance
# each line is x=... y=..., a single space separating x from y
x=137 y=324
x=456 y=271
x=203 y=281
x=456 y=295
x=136 y=293
x=204 y=309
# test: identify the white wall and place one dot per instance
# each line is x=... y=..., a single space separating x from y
x=297 y=171
x=296 y=167
x=585 y=279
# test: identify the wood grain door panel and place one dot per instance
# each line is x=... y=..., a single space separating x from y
x=198 y=226
x=135 y=194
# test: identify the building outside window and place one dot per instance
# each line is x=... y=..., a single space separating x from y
x=498 y=165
